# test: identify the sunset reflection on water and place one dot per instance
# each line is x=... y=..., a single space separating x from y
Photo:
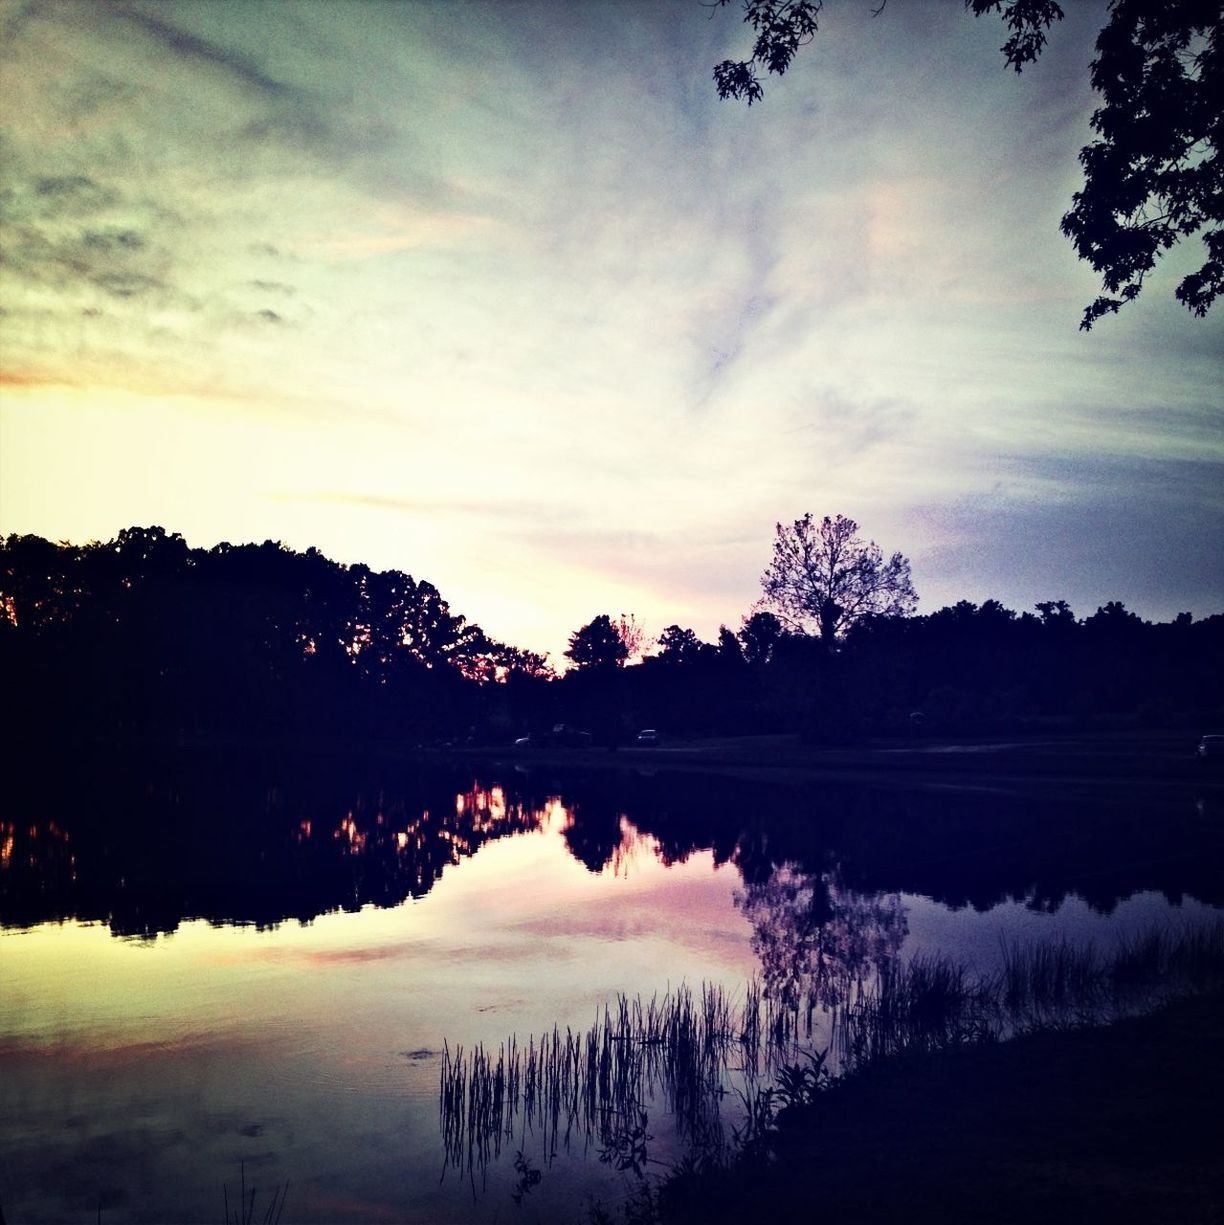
x=175 y=1017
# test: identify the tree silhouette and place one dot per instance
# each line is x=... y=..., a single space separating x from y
x=143 y=636
x=823 y=577
x=144 y=640
x=597 y=646
x=1154 y=175
x=634 y=637
x=760 y=635
x=678 y=645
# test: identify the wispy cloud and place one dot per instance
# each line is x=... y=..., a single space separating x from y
x=508 y=296
x=530 y=512
x=179 y=42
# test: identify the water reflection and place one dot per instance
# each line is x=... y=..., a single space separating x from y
x=150 y=856
x=534 y=897
x=570 y=1090
x=666 y=1065
x=816 y=939
x=837 y=997
x=143 y=846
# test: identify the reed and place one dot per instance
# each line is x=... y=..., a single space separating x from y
x=933 y=1002
x=1172 y=960
x=688 y=1050
x=597 y=1083
x=244 y=1211
x=925 y=1004
x=1050 y=979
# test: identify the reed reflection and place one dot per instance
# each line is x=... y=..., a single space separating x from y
x=666 y=1066
x=647 y=1076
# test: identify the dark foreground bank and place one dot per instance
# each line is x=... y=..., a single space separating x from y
x=1117 y=1124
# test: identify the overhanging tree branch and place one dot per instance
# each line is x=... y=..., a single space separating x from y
x=1159 y=72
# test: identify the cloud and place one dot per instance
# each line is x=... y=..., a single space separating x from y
x=235 y=66
x=30 y=378
x=126 y=284
x=528 y=512
x=519 y=262
x=75 y=193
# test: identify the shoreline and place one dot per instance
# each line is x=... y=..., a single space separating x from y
x=1158 y=760
x=1160 y=763
x=1114 y=1124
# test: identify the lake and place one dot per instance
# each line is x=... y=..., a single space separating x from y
x=229 y=969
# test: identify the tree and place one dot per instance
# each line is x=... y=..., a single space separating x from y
x=1055 y=612
x=729 y=648
x=817 y=939
x=678 y=645
x=634 y=637
x=1153 y=178
x=516 y=661
x=760 y=634
x=597 y=646
x=824 y=577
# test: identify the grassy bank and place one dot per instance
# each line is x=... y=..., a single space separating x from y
x=934 y=1118
x=1109 y=1124
x=943 y=1096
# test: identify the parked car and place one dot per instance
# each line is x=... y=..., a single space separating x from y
x=648 y=736
x=1211 y=746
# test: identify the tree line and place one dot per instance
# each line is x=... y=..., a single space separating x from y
x=834 y=651
x=143 y=637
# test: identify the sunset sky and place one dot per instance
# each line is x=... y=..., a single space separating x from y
x=503 y=296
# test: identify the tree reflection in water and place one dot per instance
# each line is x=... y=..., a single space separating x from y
x=820 y=945
x=817 y=940
x=143 y=842
x=231 y=838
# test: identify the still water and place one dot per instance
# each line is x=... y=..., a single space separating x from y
x=224 y=970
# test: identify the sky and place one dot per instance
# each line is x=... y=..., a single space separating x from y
x=503 y=296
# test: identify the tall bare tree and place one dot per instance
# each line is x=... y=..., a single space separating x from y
x=824 y=578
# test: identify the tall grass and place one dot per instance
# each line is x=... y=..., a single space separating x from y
x=689 y=1050
x=933 y=1002
x=244 y=1212
x=595 y=1085
x=925 y=1004
x=1044 y=984
x=1043 y=981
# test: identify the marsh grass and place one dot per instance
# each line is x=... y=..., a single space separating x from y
x=244 y=1211
x=925 y=1004
x=1061 y=983
x=933 y=1002
x=1051 y=980
x=1177 y=961
x=593 y=1086
x=690 y=1050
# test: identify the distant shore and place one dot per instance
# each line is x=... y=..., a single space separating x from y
x=1156 y=762
x=1160 y=758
